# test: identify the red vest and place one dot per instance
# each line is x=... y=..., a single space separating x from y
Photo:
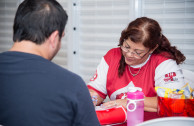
x=144 y=79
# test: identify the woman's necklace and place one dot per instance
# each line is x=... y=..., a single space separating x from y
x=134 y=74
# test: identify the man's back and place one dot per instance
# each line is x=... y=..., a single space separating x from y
x=37 y=92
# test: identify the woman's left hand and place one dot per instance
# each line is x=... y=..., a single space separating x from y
x=115 y=103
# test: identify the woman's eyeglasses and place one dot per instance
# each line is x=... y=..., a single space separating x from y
x=135 y=54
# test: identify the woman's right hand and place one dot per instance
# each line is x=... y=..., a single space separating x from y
x=95 y=97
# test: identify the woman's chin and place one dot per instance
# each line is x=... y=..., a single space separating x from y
x=129 y=62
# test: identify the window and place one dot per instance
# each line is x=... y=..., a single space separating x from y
x=176 y=18
x=7 y=12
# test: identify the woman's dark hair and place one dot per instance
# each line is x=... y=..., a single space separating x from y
x=35 y=20
x=148 y=32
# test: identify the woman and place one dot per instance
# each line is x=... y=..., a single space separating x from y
x=144 y=58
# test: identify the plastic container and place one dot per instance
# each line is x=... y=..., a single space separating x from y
x=135 y=106
x=168 y=107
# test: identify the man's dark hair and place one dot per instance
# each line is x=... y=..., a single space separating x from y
x=35 y=20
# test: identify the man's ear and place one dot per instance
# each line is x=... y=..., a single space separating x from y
x=53 y=39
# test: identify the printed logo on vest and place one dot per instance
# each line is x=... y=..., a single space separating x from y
x=170 y=77
x=94 y=77
x=121 y=96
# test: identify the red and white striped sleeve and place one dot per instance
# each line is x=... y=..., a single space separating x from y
x=98 y=81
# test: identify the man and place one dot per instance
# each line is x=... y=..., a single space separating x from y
x=33 y=90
